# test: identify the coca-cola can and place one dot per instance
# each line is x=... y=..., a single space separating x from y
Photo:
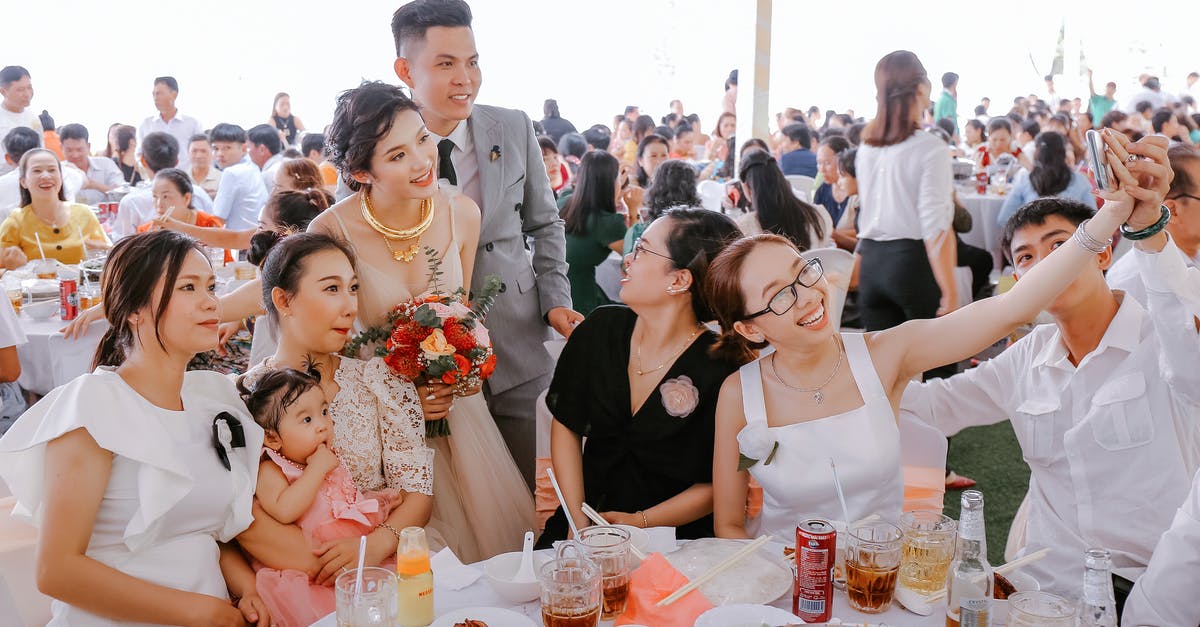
x=816 y=548
x=981 y=182
x=68 y=299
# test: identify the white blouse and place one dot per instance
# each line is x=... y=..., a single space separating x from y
x=906 y=189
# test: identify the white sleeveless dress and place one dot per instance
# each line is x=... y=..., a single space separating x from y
x=798 y=483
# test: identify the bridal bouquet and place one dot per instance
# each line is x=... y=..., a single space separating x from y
x=436 y=337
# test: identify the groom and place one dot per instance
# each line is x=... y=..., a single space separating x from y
x=490 y=155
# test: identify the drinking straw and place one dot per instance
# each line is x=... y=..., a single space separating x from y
x=841 y=497
x=41 y=251
x=562 y=501
x=599 y=520
x=362 y=559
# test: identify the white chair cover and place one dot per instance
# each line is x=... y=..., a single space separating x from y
x=838 y=265
x=802 y=186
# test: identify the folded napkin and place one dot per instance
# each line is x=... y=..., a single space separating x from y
x=450 y=573
x=653 y=581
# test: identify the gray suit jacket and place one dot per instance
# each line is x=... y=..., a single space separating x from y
x=517 y=204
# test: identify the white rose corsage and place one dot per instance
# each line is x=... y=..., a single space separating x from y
x=679 y=396
x=755 y=444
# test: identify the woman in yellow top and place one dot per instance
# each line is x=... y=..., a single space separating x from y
x=46 y=214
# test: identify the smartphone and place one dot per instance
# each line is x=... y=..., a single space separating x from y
x=1097 y=159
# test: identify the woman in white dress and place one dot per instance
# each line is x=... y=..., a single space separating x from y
x=139 y=473
x=482 y=505
x=830 y=396
x=310 y=288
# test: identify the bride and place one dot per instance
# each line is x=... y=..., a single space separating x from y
x=482 y=506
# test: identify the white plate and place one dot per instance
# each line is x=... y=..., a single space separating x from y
x=493 y=616
x=1023 y=582
x=742 y=615
x=637 y=536
x=760 y=578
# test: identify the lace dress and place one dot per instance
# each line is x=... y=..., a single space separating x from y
x=481 y=504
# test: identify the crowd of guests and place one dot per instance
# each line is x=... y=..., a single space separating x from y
x=688 y=421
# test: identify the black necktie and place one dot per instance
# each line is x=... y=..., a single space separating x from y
x=445 y=165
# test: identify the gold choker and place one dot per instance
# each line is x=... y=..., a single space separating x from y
x=405 y=255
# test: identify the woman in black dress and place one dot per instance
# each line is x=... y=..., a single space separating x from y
x=639 y=383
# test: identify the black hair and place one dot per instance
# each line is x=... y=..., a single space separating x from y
x=949 y=79
x=755 y=143
x=284 y=265
x=643 y=177
x=846 y=162
x=412 y=20
x=72 y=131
x=131 y=274
x=643 y=126
x=266 y=135
x=291 y=211
x=273 y=392
x=224 y=132
x=23 y=165
x=999 y=124
x=21 y=140
x=946 y=124
x=665 y=131
x=1035 y=213
x=292 y=152
x=670 y=119
x=1031 y=127
x=546 y=142
x=311 y=142
x=941 y=134
x=697 y=237
x=1180 y=155
x=200 y=137
x=1160 y=119
x=1050 y=174
x=726 y=170
x=595 y=191
x=779 y=210
x=799 y=133
x=1113 y=118
x=979 y=125
x=1152 y=84
x=363 y=116
x=572 y=144
x=854 y=133
x=598 y=137
x=630 y=109
x=169 y=81
x=1063 y=119
x=178 y=178
x=837 y=143
x=550 y=108
x=1143 y=106
x=674 y=185
x=160 y=151
x=11 y=74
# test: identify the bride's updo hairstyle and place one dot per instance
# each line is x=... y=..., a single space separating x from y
x=285 y=266
x=723 y=291
x=363 y=116
x=129 y=284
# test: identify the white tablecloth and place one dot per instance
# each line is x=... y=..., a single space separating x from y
x=984 y=233
x=48 y=359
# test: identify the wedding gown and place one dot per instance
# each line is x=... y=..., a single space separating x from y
x=481 y=505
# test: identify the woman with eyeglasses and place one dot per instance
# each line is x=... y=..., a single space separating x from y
x=641 y=384
x=824 y=397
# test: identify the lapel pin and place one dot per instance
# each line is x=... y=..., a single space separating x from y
x=495 y=153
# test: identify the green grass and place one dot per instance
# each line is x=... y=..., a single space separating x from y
x=991 y=456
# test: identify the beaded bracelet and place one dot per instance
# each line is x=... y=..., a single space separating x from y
x=390 y=528
x=1088 y=242
x=1150 y=231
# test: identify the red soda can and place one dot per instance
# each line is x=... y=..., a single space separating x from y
x=816 y=548
x=68 y=299
x=981 y=182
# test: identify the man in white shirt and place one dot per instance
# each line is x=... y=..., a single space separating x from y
x=1104 y=404
x=1183 y=200
x=1151 y=92
x=102 y=175
x=19 y=141
x=16 y=87
x=159 y=151
x=265 y=149
x=168 y=119
x=242 y=193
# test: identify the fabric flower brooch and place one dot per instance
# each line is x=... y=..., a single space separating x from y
x=679 y=396
x=755 y=444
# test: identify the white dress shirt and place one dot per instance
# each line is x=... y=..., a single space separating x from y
x=1166 y=594
x=10 y=187
x=906 y=189
x=104 y=171
x=26 y=118
x=1111 y=444
x=137 y=208
x=466 y=163
x=181 y=127
x=1124 y=275
x=269 y=170
x=241 y=196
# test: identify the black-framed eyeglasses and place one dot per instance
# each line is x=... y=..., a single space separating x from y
x=639 y=248
x=1184 y=196
x=785 y=299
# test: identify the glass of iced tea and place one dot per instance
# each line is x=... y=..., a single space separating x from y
x=872 y=562
x=608 y=547
x=1040 y=609
x=570 y=589
x=928 y=550
x=375 y=604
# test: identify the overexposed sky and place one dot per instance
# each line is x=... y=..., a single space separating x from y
x=94 y=62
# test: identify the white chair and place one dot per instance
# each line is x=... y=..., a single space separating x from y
x=544 y=498
x=802 y=186
x=608 y=276
x=710 y=193
x=838 y=265
x=923 y=464
x=962 y=280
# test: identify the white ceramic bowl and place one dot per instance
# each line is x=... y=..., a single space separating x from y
x=41 y=309
x=745 y=615
x=499 y=572
x=637 y=536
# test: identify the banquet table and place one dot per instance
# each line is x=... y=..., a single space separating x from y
x=985 y=232
x=480 y=594
x=48 y=359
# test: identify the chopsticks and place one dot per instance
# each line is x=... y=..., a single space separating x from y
x=599 y=520
x=714 y=571
x=1003 y=569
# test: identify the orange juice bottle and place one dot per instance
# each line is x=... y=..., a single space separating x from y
x=414 y=579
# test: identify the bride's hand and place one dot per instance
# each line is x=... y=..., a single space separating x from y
x=471 y=391
x=436 y=399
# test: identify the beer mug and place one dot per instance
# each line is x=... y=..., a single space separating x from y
x=1040 y=609
x=872 y=563
x=375 y=604
x=570 y=589
x=928 y=550
x=608 y=547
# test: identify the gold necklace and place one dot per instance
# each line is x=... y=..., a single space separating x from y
x=816 y=392
x=639 y=372
x=405 y=255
